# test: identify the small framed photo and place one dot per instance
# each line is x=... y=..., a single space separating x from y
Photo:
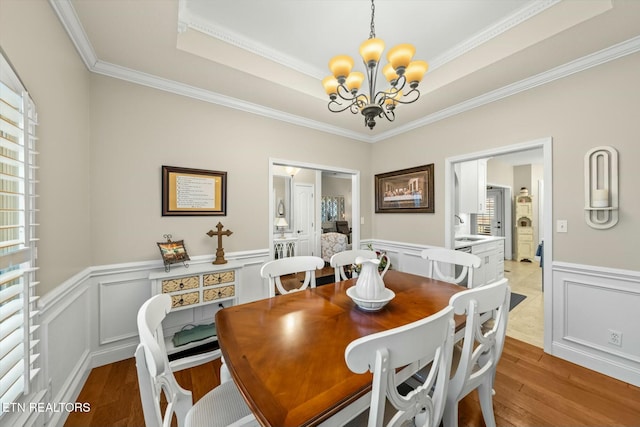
x=405 y=191
x=173 y=252
x=195 y=192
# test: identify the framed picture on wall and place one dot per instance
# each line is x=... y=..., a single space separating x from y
x=195 y=192
x=405 y=191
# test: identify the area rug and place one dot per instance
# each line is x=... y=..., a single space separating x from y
x=515 y=300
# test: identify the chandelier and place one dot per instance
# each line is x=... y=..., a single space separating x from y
x=343 y=86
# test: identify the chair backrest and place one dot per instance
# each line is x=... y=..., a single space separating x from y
x=449 y=258
x=272 y=271
x=343 y=227
x=332 y=243
x=152 y=364
x=428 y=339
x=341 y=259
x=482 y=348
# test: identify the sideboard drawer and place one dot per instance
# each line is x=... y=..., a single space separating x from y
x=180 y=284
x=182 y=300
x=218 y=278
x=219 y=293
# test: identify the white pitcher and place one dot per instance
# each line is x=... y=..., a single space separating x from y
x=369 y=285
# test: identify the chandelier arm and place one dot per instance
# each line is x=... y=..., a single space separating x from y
x=344 y=93
x=389 y=114
x=335 y=107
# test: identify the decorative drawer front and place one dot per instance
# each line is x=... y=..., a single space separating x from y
x=182 y=300
x=219 y=293
x=525 y=237
x=180 y=284
x=218 y=278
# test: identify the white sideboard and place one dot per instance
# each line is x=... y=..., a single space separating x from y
x=194 y=287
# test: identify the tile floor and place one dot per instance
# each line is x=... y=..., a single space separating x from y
x=526 y=319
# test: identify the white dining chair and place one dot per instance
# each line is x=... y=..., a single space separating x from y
x=481 y=348
x=222 y=406
x=442 y=263
x=273 y=270
x=430 y=338
x=341 y=259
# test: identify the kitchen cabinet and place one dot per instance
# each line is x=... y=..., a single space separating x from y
x=473 y=186
x=491 y=256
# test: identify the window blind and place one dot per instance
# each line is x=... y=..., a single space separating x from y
x=483 y=221
x=18 y=310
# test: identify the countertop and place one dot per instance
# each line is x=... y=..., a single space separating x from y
x=473 y=240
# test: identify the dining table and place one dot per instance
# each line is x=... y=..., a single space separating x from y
x=286 y=353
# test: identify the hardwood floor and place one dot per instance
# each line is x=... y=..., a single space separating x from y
x=532 y=389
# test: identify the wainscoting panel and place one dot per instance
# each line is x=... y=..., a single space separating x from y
x=90 y=320
x=118 y=304
x=589 y=305
x=404 y=257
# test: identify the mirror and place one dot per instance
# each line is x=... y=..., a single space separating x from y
x=282 y=205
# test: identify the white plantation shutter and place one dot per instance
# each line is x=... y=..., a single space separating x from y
x=18 y=314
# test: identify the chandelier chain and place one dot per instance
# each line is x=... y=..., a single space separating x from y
x=372 y=33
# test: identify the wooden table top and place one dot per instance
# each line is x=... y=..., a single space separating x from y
x=286 y=353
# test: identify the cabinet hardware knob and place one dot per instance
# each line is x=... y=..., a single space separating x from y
x=181 y=285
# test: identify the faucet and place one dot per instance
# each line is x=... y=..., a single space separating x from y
x=459 y=219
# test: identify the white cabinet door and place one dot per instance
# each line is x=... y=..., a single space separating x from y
x=473 y=186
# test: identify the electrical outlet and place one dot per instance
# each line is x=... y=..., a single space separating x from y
x=561 y=226
x=615 y=337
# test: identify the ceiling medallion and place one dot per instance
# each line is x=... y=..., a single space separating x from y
x=343 y=86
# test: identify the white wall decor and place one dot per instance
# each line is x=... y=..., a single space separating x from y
x=601 y=187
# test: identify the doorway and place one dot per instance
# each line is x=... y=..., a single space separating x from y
x=315 y=227
x=303 y=220
x=544 y=144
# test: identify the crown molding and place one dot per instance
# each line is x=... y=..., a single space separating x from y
x=505 y=24
x=70 y=21
x=74 y=28
x=603 y=56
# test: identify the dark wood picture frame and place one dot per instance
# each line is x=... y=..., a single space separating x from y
x=405 y=191
x=193 y=192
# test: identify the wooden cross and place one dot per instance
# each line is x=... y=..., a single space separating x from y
x=220 y=251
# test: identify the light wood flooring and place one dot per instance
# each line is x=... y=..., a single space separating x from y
x=532 y=389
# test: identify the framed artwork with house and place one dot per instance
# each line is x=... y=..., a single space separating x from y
x=405 y=191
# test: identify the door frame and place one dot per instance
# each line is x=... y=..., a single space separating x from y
x=449 y=211
x=355 y=202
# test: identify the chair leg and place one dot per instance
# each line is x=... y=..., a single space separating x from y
x=450 y=414
x=485 y=393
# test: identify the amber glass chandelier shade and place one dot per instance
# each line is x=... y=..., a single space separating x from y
x=415 y=71
x=371 y=51
x=330 y=85
x=392 y=100
x=400 y=56
x=354 y=81
x=341 y=66
x=389 y=73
